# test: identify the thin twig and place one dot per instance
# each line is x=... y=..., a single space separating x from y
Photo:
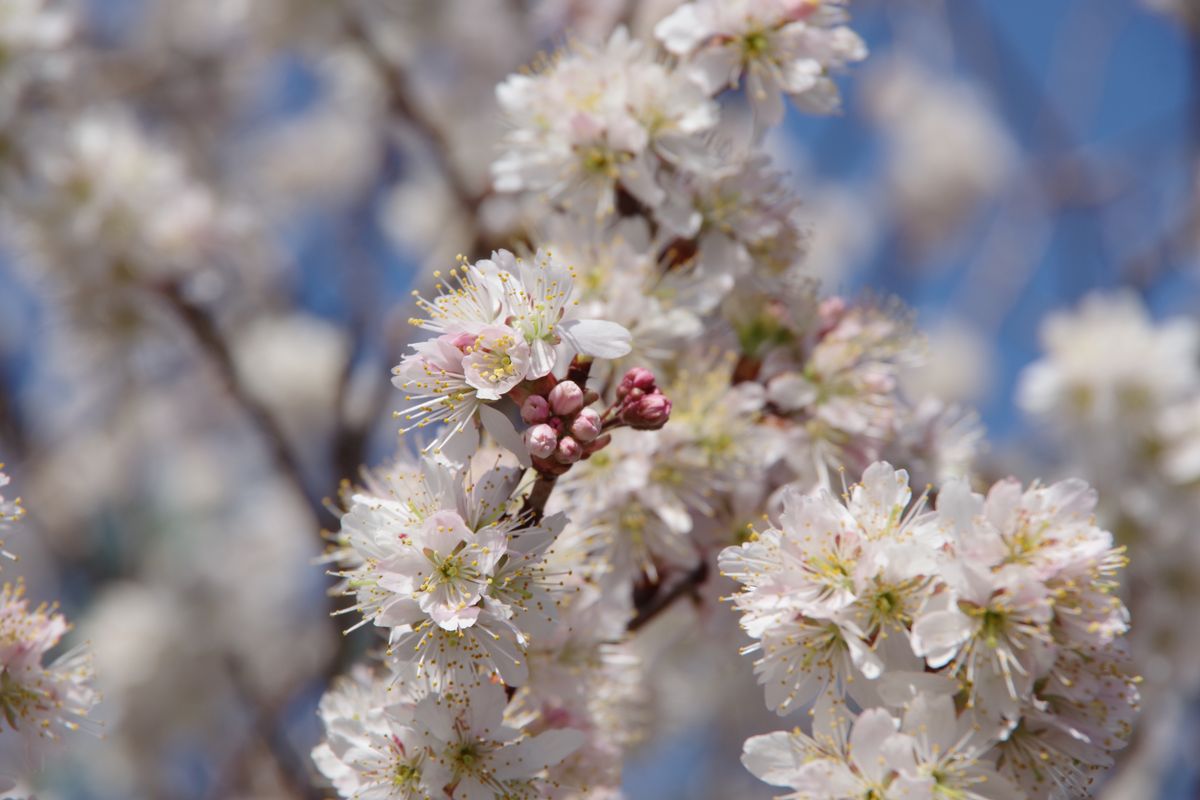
x=404 y=105
x=292 y=767
x=535 y=504
x=212 y=343
x=663 y=600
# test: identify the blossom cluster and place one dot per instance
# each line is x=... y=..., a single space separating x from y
x=40 y=696
x=994 y=617
x=453 y=558
x=616 y=402
x=1120 y=391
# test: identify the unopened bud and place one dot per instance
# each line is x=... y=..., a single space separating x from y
x=541 y=441
x=647 y=413
x=569 y=451
x=566 y=398
x=535 y=409
x=586 y=426
x=639 y=379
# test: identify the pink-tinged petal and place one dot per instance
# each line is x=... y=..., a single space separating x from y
x=541 y=358
x=484 y=710
x=772 y=758
x=399 y=613
x=862 y=656
x=504 y=432
x=454 y=619
x=766 y=98
x=900 y=753
x=872 y=728
x=598 y=338
x=442 y=532
x=682 y=31
x=937 y=636
x=934 y=717
x=716 y=68
x=917 y=788
x=827 y=778
x=538 y=752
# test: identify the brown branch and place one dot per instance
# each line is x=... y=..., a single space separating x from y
x=534 y=507
x=212 y=343
x=405 y=105
x=662 y=600
x=293 y=768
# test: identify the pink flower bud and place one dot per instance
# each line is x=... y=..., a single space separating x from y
x=569 y=451
x=535 y=409
x=566 y=398
x=639 y=379
x=541 y=440
x=586 y=426
x=648 y=413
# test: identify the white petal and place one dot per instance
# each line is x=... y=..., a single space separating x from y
x=872 y=728
x=682 y=31
x=505 y=434
x=938 y=635
x=541 y=358
x=595 y=337
x=537 y=753
x=772 y=758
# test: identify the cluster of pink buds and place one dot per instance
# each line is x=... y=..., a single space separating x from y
x=563 y=430
x=640 y=403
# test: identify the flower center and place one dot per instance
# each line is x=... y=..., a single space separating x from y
x=495 y=363
x=755 y=45
x=450 y=569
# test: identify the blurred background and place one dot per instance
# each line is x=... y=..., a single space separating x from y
x=213 y=212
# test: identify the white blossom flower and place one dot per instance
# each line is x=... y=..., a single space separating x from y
x=38 y=697
x=1108 y=361
x=442 y=554
x=10 y=510
x=1071 y=729
x=778 y=46
x=130 y=202
x=542 y=308
x=476 y=755
x=595 y=120
x=33 y=35
x=32 y=25
x=628 y=518
x=944 y=754
x=832 y=585
x=842 y=760
x=393 y=738
x=506 y=320
x=620 y=279
x=843 y=387
x=741 y=217
x=371 y=749
x=1029 y=575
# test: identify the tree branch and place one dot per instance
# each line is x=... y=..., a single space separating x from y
x=403 y=103
x=663 y=600
x=534 y=507
x=211 y=342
